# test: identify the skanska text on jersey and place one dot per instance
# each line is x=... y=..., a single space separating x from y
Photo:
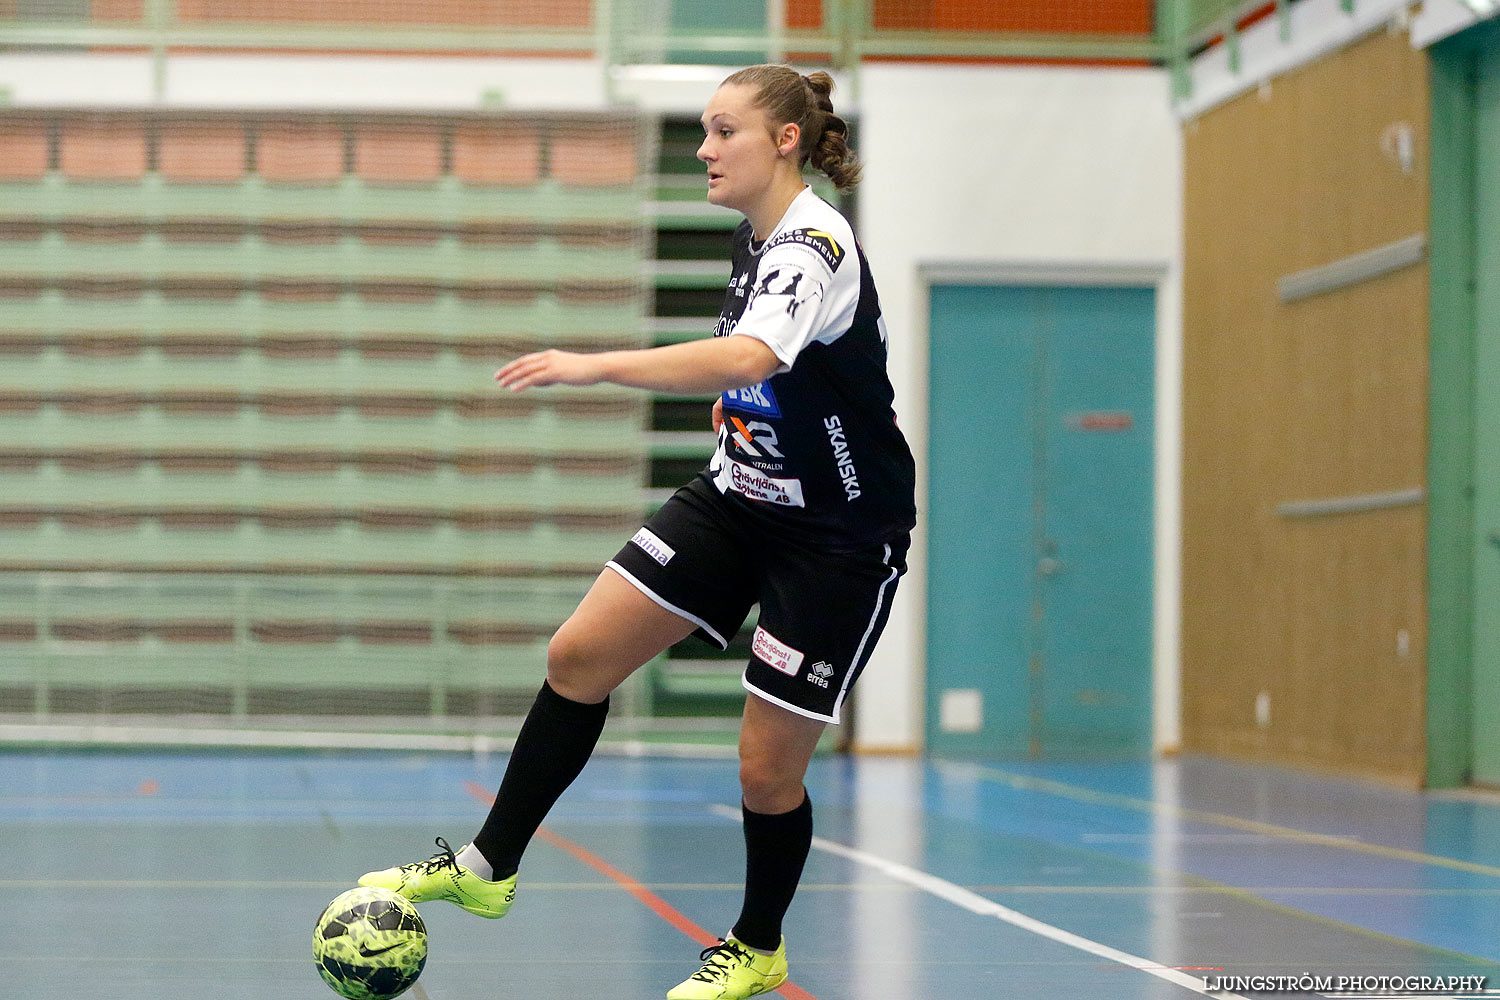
x=841 y=455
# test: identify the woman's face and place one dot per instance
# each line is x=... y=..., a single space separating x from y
x=738 y=148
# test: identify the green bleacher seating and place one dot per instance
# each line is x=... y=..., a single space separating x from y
x=252 y=461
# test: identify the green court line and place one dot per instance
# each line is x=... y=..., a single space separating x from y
x=1078 y=794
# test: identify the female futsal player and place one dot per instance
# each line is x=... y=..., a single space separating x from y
x=805 y=507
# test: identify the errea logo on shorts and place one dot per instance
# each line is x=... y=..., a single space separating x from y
x=819 y=673
x=775 y=653
x=653 y=546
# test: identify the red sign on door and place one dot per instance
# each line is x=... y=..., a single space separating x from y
x=1100 y=422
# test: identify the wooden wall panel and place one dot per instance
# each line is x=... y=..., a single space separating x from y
x=1320 y=398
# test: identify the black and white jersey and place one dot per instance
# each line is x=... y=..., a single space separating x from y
x=813 y=452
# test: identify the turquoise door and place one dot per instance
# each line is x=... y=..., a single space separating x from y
x=1039 y=519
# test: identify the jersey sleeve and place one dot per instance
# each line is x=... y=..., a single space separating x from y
x=796 y=296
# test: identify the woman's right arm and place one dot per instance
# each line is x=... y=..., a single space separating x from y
x=711 y=365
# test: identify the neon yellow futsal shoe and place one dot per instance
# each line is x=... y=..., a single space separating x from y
x=732 y=972
x=442 y=877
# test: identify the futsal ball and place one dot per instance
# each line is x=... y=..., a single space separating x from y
x=370 y=944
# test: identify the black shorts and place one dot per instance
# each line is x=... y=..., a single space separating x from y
x=821 y=611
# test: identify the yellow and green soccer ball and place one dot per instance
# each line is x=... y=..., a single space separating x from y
x=370 y=944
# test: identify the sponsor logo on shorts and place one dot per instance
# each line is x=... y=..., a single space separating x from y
x=776 y=653
x=653 y=546
x=819 y=673
x=751 y=482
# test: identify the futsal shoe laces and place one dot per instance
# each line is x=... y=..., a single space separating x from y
x=732 y=972
x=442 y=877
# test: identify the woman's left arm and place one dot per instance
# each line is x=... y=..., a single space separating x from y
x=712 y=365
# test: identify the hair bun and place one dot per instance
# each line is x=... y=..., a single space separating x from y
x=821 y=85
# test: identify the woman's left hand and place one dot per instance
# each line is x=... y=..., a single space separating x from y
x=550 y=367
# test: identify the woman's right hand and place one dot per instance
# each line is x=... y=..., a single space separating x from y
x=550 y=368
x=718 y=416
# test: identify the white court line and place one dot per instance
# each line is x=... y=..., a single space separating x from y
x=975 y=903
x=166 y=736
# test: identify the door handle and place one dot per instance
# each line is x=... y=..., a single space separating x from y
x=1495 y=539
x=1049 y=566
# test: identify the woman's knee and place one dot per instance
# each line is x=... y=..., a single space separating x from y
x=573 y=667
x=775 y=748
x=770 y=785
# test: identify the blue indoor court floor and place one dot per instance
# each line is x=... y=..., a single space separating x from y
x=137 y=875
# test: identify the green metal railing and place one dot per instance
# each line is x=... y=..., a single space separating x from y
x=1186 y=27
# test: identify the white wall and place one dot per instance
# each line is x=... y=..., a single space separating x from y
x=1029 y=170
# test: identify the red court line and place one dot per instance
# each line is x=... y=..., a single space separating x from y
x=652 y=901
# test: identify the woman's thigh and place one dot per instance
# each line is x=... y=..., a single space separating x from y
x=612 y=633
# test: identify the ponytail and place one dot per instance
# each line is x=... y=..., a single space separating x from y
x=830 y=152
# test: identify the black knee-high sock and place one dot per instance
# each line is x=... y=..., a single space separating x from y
x=776 y=848
x=556 y=740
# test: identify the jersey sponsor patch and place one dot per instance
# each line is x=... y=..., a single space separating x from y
x=775 y=653
x=758 y=399
x=753 y=484
x=653 y=546
x=756 y=439
x=848 y=475
x=819 y=242
x=792 y=285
